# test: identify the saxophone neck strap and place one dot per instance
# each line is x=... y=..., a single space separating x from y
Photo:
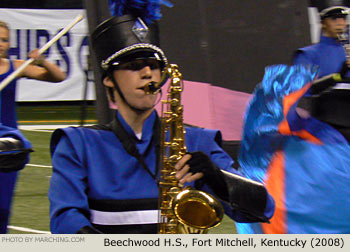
x=129 y=144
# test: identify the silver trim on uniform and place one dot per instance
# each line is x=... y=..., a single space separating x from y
x=105 y=63
x=124 y=218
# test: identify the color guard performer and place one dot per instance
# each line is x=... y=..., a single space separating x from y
x=42 y=70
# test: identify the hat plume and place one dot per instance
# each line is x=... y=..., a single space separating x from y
x=148 y=10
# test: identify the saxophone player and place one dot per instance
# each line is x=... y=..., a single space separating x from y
x=328 y=54
x=105 y=177
x=302 y=156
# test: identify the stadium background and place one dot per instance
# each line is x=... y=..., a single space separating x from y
x=226 y=44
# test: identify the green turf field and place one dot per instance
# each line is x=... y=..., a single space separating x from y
x=30 y=211
x=49 y=113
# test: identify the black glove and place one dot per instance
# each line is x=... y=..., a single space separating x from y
x=244 y=195
x=13 y=156
x=344 y=70
x=89 y=230
x=212 y=175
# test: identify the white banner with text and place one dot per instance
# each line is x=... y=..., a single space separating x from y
x=33 y=28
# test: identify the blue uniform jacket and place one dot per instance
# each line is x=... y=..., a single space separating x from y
x=328 y=55
x=96 y=182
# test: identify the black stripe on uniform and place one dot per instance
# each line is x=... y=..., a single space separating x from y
x=128 y=229
x=124 y=205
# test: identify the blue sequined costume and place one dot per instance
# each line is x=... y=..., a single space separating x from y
x=304 y=163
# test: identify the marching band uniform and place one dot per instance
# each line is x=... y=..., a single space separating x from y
x=105 y=177
x=328 y=54
x=121 y=196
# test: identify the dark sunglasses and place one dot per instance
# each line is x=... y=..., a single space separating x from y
x=334 y=17
x=137 y=65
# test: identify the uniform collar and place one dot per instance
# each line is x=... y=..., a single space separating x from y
x=147 y=128
x=329 y=40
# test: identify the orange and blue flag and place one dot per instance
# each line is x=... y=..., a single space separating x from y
x=304 y=163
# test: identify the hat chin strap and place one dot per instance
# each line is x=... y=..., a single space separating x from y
x=116 y=86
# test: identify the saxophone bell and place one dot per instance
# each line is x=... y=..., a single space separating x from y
x=197 y=210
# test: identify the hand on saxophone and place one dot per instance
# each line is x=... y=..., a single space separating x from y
x=194 y=166
x=185 y=169
x=197 y=166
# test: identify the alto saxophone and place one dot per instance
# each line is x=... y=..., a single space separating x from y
x=181 y=209
x=344 y=39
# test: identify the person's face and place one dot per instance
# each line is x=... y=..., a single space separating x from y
x=333 y=26
x=4 y=42
x=131 y=78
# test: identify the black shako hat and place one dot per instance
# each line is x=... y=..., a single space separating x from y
x=331 y=8
x=125 y=38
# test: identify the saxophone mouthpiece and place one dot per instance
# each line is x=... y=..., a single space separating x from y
x=154 y=87
x=151 y=88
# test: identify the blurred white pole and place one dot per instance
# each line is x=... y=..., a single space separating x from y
x=13 y=75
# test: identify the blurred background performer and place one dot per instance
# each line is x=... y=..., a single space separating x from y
x=302 y=158
x=14 y=154
x=105 y=177
x=329 y=53
x=304 y=161
x=41 y=70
